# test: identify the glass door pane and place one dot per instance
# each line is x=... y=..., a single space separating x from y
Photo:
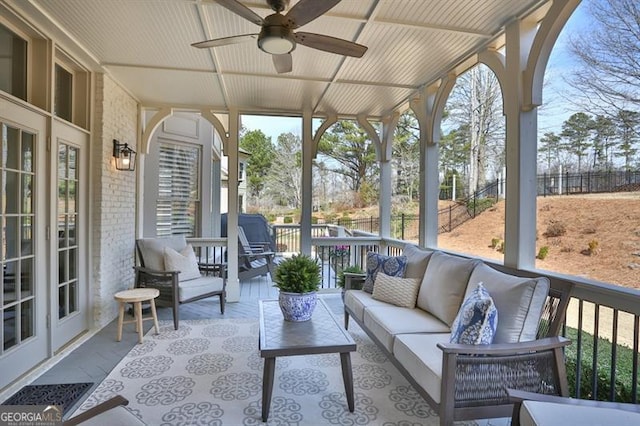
x=67 y=241
x=17 y=299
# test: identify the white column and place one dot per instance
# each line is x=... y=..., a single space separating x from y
x=521 y=152
x=385 y=150
x=233 y=283
x=307 y=181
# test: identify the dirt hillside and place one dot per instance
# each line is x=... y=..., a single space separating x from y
x=611 y=222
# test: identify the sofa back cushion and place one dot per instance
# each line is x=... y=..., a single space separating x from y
x=417 y=260
x=519 y=302
x=444 y=284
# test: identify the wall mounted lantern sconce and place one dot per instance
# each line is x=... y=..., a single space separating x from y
x=125 y=156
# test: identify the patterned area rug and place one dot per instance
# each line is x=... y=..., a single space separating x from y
x=209 y=372
x=64 y=395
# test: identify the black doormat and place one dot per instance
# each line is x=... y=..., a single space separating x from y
x=65 y=395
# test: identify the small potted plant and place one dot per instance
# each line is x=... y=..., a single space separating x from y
x=351 y=270
x=298 y=279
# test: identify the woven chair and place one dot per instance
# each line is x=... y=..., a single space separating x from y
x=110 y=412
x=475 y=378
x=254 y=259
x=173 y=291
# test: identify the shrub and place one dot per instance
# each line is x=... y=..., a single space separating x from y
x=555 y=229
x=495 y=242
x=624 y=368
x=543 y=252
x=288 y=219
x=593 y=247
x=353 y=268
x=480 y=204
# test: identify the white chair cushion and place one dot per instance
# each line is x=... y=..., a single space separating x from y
x=152 y=250
x=199 y=286
x=519 y=301
x=358 y=300
x=417 y=260
x=395 y=290
x=444 y=284
x=421 y=357
x=386 y=322
x=536 y=413
x=184 y=261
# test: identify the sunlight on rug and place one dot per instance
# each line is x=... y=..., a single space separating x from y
x=209 y=372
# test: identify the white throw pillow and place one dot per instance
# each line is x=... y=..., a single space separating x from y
x=396 y=290
x=185 y=262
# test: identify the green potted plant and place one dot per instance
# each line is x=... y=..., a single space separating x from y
x=298 y=279
x=352 y=269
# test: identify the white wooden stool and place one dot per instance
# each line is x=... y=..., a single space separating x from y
x=136 y=296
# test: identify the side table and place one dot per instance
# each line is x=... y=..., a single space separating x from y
x=136 y=296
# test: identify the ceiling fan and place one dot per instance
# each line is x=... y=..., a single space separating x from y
x=277 y=37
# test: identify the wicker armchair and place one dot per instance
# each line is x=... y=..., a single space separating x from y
x=475 y=378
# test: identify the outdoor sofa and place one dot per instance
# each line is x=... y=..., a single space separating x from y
x=462 y=381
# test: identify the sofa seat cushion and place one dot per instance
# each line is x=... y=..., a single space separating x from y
x=536 y=413
x=385 y=322
x=199 y=286
x=519 y=302
x=358 y=300
x=444 y=285
x=421 y=357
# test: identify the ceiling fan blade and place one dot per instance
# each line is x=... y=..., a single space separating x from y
x=306 y=11
x=225 y=41
x=241 y=10
x=283 y=63
x=330 y=44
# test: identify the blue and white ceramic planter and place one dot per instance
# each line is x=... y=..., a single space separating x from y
x=297 y=307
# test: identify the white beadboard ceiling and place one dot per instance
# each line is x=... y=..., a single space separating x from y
x=145 y=46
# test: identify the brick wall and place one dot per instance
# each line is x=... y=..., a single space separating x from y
x=113 y=199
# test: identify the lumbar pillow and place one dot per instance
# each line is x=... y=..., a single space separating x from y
x=393 y=266
x=477 y=319
x=185 y=262
x=395 y=290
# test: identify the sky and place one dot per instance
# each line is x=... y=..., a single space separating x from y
x=550 y=117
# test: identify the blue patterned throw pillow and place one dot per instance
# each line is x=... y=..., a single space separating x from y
x=394 y=266
x=477 y=319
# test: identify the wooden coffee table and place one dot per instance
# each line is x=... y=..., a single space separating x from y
x=322 y=334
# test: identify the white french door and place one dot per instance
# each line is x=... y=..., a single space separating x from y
x=69 y=282
x=23 y=252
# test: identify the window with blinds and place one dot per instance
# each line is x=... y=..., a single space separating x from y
x=177 y=210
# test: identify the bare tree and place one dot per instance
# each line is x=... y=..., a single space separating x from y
x=608 y=54
x=476 y=105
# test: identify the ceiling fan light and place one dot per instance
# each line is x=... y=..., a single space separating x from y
x=276 y=45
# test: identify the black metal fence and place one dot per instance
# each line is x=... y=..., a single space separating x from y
x=589 y=182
